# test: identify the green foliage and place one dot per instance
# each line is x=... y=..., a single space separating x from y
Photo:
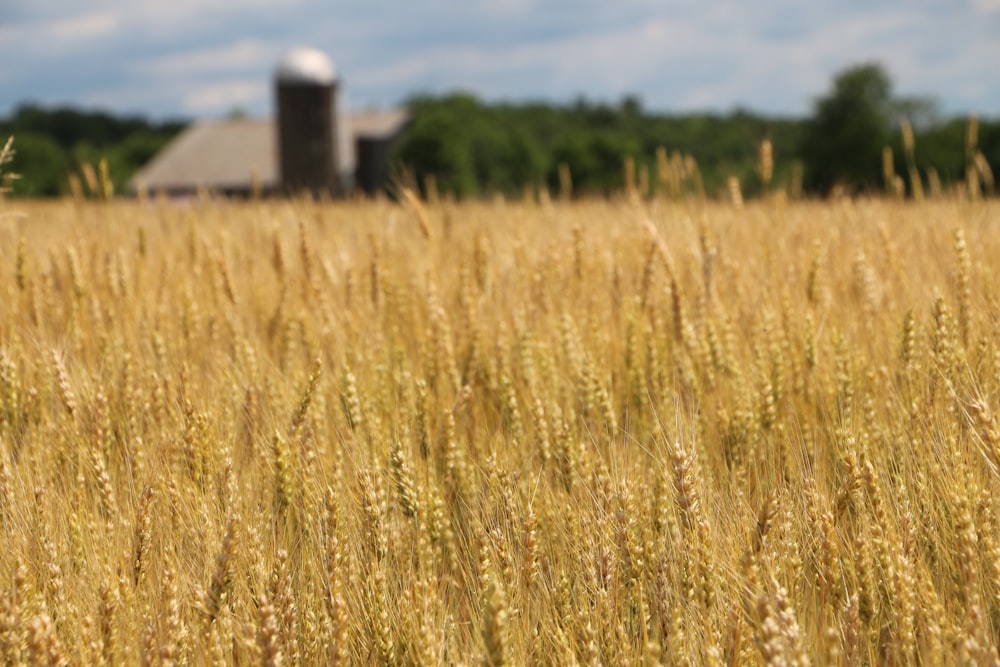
x=843 y=141
x=6 y=157
x=943 y=147
x=41 y=163
x=51 y=143
x=595 y=159
x=475 y=148
x=438 y=143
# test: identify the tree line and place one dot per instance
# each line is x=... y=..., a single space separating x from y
x=472 y=148
x=53 y=143
x=860 y=137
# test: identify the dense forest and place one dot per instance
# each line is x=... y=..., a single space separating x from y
x=475 y=148
x=472 y=148
x=51 y=144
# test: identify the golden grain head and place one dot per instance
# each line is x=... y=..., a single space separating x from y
x=574 y=432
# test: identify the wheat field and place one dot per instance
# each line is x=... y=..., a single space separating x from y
x=600 y=432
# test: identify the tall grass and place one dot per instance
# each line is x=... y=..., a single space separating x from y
x=573 y=433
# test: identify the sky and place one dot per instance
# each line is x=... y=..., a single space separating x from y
x=195 y=58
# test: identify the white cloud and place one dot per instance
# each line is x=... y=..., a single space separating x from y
x=84 y=27
x=242 y=54
x=507 y=8
x=205 y=56
x=986 y=6
x=58 y=37
x=219 y=96
x=572 y=61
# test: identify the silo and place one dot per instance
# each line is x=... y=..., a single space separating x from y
x=308 y=151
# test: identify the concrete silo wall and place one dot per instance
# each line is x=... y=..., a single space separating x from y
x=307 y=137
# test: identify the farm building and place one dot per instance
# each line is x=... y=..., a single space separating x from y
x=310 y=145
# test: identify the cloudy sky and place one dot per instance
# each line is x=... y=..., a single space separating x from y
x=168 y=58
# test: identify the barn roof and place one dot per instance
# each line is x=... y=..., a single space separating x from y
x=228 y=154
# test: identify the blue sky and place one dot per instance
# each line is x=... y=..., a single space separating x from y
x=167 y=58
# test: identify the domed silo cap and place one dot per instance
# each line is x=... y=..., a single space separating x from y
x=306 y=66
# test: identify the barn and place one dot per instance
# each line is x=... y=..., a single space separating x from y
x=310 y=144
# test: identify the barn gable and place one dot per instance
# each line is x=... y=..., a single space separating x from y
x=232 y=156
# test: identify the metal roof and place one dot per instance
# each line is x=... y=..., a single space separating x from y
x=378 y=124
x=305 y=65
x=229 y=154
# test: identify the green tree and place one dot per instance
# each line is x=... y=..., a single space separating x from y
x=511 y=162
x=843 y=140
x=438 y=143
x=53 y=142
x=41 y=164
